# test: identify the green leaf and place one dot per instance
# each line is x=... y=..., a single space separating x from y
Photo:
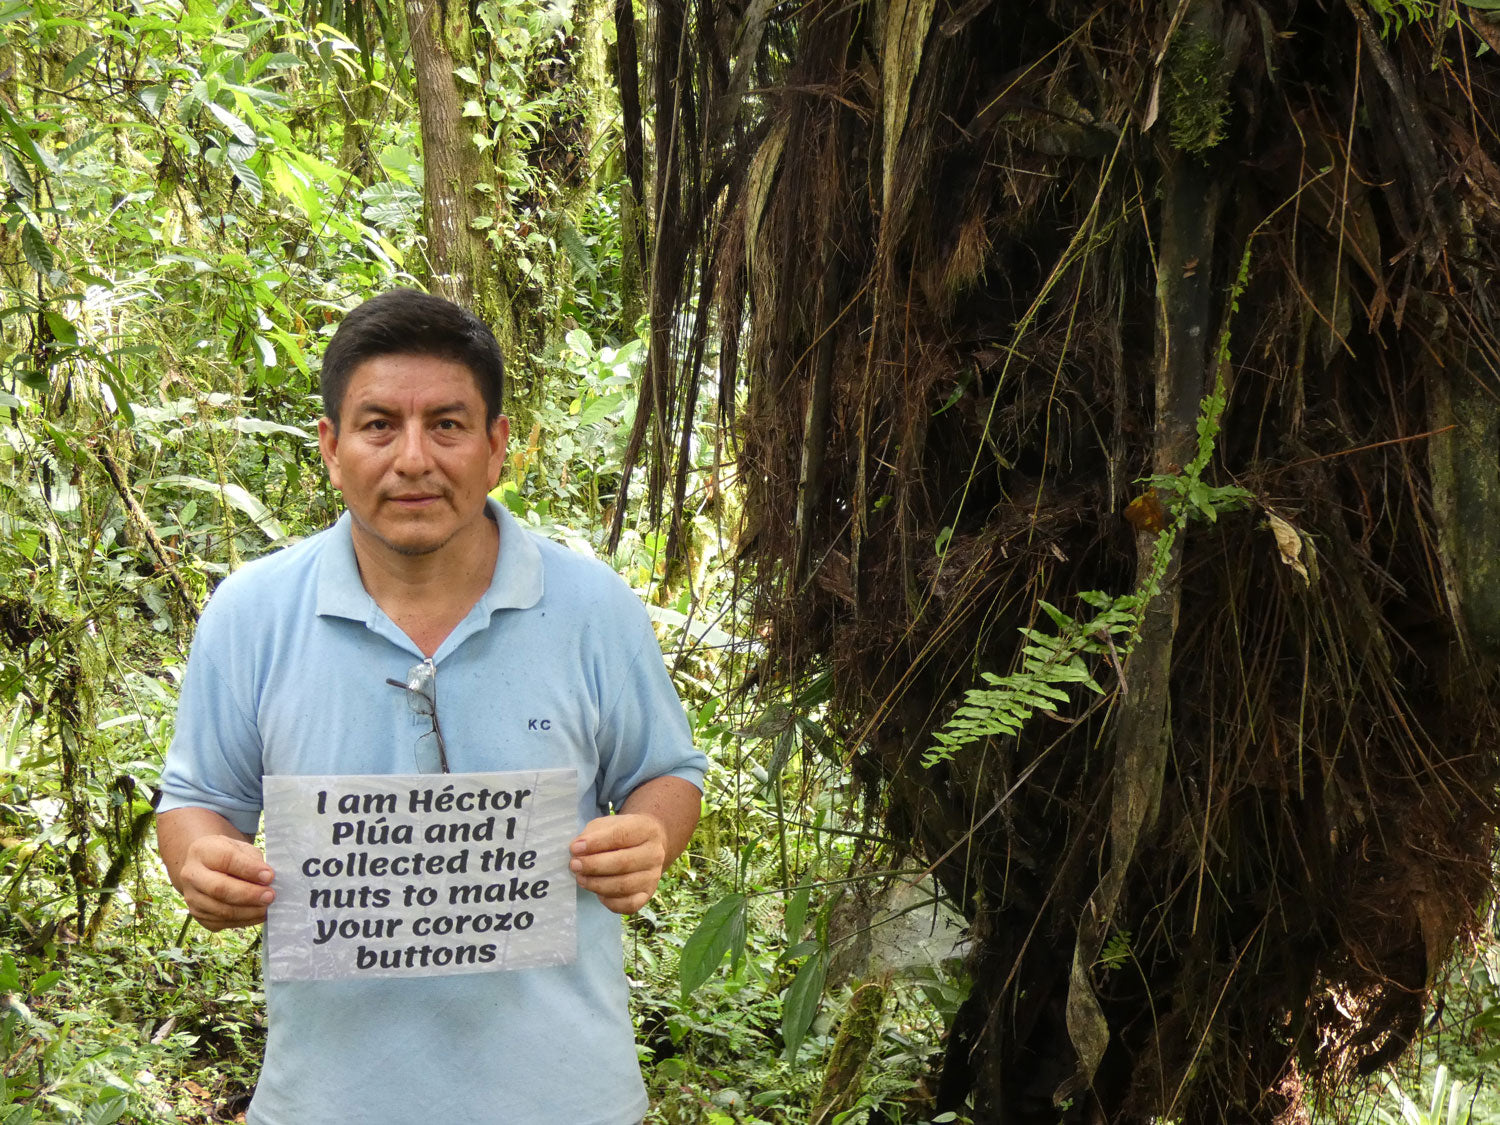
x=107 y=1112
x=261 y=426
x=76 y=147
x=796 y=910
x=188 y=108
x=153 y=97
x=63 y=330
x=39 y=155
x=79 y=61
x=1483 y=5
x=600 y=409
x=46 y=981
x=703 y=630
x=36 y=248
x=801 y=1002
x=576 y=249
x=236 y=497
x=798 y=951
x=721 y=930
x=398 y=161
x=579 y=341
x=290 y=348
x=248 y=179
x=10 y=976
x=467 y=74
x=237 y=128
x=16 y=172
x=267 y=351
x=388 y=204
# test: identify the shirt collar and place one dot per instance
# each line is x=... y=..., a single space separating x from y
x=515 y=584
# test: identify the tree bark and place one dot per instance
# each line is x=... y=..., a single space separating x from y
x=1465 y=458
x=457 y=254
x=1191 y=199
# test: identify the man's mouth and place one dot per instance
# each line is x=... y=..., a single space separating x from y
x=415 y=499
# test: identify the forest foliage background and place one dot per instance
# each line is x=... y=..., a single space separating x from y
x=194 y=193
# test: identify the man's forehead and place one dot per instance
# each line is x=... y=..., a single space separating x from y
x=374 y=401
x=400 y=378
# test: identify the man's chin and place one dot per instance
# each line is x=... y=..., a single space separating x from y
x=409 y=543
x=415 y=550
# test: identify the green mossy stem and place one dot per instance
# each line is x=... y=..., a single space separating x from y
x=1195 y=91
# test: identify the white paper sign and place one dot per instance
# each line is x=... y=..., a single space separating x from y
x=410 y=875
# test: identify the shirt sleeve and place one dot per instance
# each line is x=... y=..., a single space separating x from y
x=644 y=733
x=214 y=761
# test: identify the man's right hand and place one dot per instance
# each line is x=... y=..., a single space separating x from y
x=224 y=879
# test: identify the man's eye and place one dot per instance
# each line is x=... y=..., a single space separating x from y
x=377 y=424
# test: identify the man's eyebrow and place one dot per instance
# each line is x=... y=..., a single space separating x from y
x=459 y=407
x=384 y=409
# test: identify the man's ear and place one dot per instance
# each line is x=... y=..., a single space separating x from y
x=328 y=446
x=499 y=435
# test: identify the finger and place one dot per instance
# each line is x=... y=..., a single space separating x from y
x=626 y=905
x=613 y=833
x=626 y=883
x=616 y=894
x=646 y=857
x=215 y=898
x=215 y=915
x=234 y=858
x=215 y=886
x=622 y=894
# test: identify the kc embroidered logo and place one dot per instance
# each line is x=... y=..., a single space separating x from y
x=539 y=724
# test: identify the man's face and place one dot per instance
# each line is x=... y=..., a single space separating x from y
x=412 y=454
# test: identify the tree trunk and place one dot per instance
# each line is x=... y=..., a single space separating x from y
x=458 y=258
x=355 y=156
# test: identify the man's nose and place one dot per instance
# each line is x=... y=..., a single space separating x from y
x=413 y=456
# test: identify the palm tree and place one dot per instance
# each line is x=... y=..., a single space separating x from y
x=992 y=275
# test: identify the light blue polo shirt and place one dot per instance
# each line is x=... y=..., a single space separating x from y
x=556 y=666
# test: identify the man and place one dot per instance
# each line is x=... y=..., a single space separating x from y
x=543 y=659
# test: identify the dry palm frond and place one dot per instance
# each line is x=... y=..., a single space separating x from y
x=974 y=260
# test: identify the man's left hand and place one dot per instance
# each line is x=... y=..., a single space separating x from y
x=620 y=858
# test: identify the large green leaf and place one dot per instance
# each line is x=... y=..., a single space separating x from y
x=248 y=179
x=236 y=496
x=247 y=425
x=107 y=1111
x=16 y=172
x=77 y=63
x=63 y=329
x=36 y=248
x=796 y=910
x=721 y=931
x=25 y=142
x=801 y=1003
x=240 y=131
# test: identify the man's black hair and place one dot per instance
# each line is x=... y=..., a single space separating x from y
x=406 y=322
